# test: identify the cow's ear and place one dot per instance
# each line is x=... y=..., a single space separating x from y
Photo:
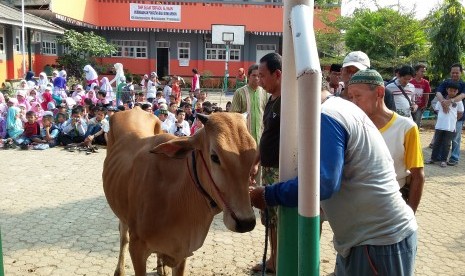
x=203 y=118
x=175 y=148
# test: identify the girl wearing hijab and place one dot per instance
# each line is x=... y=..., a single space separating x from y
x=92 y=94
x=46 y=98
x=22 y=99
x=54 y=75
x=37 y=108
x=59 y=87
x=91 y=76
x=3 y=106
x=31 y=82
x=14 y=125
x=119 y=73
x=105 y=86
x=43 y=81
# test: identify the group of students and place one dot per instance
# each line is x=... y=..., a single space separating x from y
x=39 y=118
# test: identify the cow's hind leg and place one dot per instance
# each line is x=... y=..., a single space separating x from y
x=179 y=269
x=162 y=269
x=139 y=254
x=123 y=245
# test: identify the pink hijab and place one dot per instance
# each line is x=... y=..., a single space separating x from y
x=46 y=98
x=93 y=97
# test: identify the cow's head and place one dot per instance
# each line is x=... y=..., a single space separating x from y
x=229 y=152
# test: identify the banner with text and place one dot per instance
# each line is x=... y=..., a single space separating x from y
x=164 y=13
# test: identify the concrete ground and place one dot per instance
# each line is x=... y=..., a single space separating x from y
x=55 y=221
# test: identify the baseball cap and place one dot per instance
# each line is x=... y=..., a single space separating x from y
x=160 y=101
x=358 y=59
x=163 y=111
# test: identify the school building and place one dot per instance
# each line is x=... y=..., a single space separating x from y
x=170 y=37
x=40 y=46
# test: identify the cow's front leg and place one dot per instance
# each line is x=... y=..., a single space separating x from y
x=139 y=253
x=179 y=269
x=123 y=245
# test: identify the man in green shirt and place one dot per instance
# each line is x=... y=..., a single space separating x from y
x=252 y=99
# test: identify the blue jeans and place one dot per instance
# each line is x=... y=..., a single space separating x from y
x=455 y=153
x=394 y=259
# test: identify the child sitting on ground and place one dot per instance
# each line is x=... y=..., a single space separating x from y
x=31 y=130
x=74 y=129
x=446 y=126
x=97 y=129
x=14 y=126
x=48 y=134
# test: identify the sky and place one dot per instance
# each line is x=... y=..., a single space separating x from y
x=422 y=7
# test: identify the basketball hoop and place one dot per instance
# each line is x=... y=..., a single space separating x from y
x=227 y=35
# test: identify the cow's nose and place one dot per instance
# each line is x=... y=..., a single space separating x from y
x=246 y=225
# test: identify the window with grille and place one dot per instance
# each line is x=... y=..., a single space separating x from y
x=49 y=44
x=267 y=47
x=218 y=52
x=184 y=50
x=162 y=44
x=2 y=40
x=130 y=48
x=18 y=40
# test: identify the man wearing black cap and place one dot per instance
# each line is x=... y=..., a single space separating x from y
x=334 y=78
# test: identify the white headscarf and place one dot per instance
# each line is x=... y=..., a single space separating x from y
x=42 y=82
x=91 y=74
x=119 y=73
x=62 y=74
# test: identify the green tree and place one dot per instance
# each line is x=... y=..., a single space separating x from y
x=447 y=37
x=82 y=49
x=389 y=37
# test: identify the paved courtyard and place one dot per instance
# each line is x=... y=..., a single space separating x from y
x=55 y=221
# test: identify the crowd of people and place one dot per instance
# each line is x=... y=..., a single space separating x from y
x=45 y=112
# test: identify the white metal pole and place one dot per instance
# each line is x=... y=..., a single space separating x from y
x=309 y=86
x=23 y=43
x=287 y=263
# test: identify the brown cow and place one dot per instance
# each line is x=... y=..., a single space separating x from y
x=165 y=190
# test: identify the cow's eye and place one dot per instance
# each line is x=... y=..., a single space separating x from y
x=215 y=158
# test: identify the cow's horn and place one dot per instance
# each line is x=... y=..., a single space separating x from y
x=203 y=118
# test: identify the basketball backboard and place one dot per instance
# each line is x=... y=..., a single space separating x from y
x=232 y=34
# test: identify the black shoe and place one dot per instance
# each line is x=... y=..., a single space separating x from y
x=452 y=163
x=24 y=146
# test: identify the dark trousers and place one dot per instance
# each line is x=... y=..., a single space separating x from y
x=65 y=139
x=91 y=130
x=442 y=143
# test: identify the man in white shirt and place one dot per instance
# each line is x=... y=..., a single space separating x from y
x=405 y=104
x=180 y=127
x=165 y=123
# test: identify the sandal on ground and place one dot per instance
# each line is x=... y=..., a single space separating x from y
x=443 y=164
x=258 y=268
